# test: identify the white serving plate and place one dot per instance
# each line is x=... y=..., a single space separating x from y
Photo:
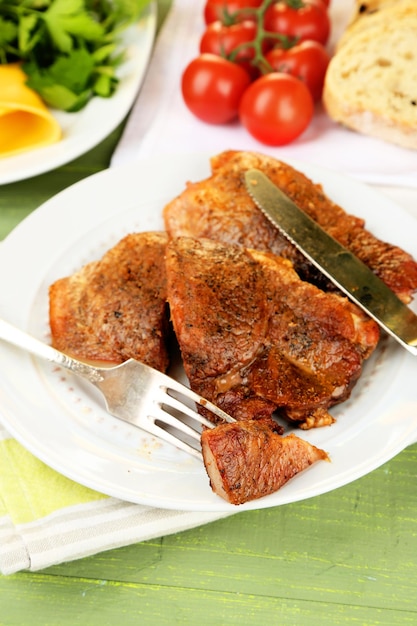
x=61 y=421
x=85 y=129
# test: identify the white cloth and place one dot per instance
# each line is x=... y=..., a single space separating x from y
x=46 y=519
x=160 y=123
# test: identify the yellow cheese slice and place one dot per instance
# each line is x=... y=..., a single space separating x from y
x=25 y=121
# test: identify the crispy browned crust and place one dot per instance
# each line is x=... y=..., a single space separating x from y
x=220 y=208
x=115 y=308
x=247 y=460
x=370 y=13
x=254 y=337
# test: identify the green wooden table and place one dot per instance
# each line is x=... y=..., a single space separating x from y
x=346 y=557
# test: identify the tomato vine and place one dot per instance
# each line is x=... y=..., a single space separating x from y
x=263 y=35
x=261 y=61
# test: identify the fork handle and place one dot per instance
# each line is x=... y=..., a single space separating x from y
x=23 y=340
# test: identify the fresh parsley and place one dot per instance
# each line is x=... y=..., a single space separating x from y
x=70 y=49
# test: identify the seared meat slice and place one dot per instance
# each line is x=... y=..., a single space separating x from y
x=220 y=208
x=115 y=308
x=254 y=337
x=247 y=460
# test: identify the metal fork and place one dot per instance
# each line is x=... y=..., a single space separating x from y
x=134 y=392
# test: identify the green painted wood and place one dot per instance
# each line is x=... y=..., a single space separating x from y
x=56 y=601
x=355 y=545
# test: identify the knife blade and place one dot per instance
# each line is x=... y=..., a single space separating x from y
x=342 y=267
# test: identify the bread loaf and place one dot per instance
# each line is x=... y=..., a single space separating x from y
x=366 y=7
x=376 y=13
x=371 y=81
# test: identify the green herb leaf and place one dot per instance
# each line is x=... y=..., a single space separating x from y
x=105 y=85
x=67 y=18
x=101 y=54
x=28 y=34
x=8 y=34
x=60 y=97
x=70 y=48
x=71 y=75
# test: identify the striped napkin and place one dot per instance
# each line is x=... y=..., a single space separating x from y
x=46 y=519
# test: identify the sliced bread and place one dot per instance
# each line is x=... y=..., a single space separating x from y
x=365 y=7
x=371 y=82
x=377 y=13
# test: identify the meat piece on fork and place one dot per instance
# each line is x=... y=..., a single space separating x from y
x=220 y=208
x=247 y=460
x=254 y=337
x=115 y=308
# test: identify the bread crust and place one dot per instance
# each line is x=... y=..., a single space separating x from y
x=363 y=8
x=376 y=13
x=372 y=124
x=371 y=82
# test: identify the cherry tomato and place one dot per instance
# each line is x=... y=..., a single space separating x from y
x=212 y=88
x=222 y=40
x=276 y=108
x=224 y=10
x=320 y=3
x=311 y=21
x=307 y=61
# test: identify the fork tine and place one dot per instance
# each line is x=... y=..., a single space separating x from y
x=171 y=394
x=170 y=384
x=127 y=389
x=163 y=415
x=174 y=403
x=161 y=433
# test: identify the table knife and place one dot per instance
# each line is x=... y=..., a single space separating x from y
x=335 y=261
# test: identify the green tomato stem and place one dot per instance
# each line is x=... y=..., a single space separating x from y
x=257 y=44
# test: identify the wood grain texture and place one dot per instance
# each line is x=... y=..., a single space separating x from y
x=355 y=545
x=348 y=556
x=58 y=601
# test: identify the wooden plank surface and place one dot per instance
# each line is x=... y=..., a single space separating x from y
x=346 y=557
x=56 y=601
x=356 y=545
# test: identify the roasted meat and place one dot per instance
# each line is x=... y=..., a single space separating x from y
x=254 y=337
x=247 y=460
x=220 y=208
x=115 y=308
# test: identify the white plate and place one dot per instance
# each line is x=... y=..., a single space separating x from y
x=85 y=129
x=62 y=422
